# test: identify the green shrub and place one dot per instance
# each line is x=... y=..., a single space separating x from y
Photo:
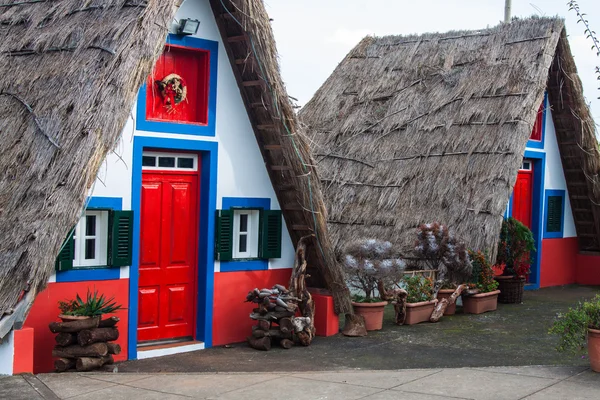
x=418 y=287
x=483 y=274
x=93 y=305
x=571 y=327
x=514 y=247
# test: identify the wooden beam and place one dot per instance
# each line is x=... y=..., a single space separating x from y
x=285 y=188
x=573 y=170
x=265 y=127
x=272 y=147
x=301 y=228
x=293 y=207
x=281 y=168
x=234 y=39
x=579 y=197
x=585 y=210
x=251 y=83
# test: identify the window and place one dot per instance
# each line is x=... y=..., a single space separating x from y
x=527 y=165
x=554 y=221
x=172 y=161
x=101 y=238
x=244 y=233
x=90 y=239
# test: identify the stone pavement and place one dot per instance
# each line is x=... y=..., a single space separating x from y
x=497 y=383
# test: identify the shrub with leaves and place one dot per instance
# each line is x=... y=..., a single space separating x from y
x=419 y=288
x=515 y=247
x=94 y=305
x=572 y=326
x=482 y=277
x=442 y=251
x=369 y=261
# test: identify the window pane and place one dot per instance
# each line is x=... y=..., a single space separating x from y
x=243 y=243
x=185 y=162
x=90 y=225
x=148 y=161
x=243 y=222
x=166 y=162
x=90 y=249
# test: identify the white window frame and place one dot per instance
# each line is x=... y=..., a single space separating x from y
x=101 y=236
x=158 y=154
x=252 y=233
x=526 y=165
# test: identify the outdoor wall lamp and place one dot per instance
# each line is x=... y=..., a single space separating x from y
x=188 y=27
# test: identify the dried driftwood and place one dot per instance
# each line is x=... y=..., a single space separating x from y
x=441 y=306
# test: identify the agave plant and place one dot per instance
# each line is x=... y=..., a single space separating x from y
x=94 y=305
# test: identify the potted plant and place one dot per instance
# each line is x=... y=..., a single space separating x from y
x=366 y=264
x=573 y=326
x=483 y=294
x=514 y=251
x=420 y=300
x=444 y=293
x=94 y=306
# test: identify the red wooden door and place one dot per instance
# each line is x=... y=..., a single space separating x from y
x=522 y=194
x=168 y=255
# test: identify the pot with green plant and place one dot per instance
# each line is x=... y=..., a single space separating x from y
x=367 y=263
x=420 y=300
x=575 y=325
x=95 y=305
x=483 y=294
x=514 y=252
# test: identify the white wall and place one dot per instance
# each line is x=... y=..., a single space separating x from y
x=554 y=177
x=241 y=170
x=7 y=354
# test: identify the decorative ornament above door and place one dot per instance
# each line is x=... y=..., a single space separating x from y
x=173 y=90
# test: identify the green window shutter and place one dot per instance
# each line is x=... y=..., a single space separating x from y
x=120 y=238
x=555 y=211
x=64 y=261
x=224 y=239
x=270 y=234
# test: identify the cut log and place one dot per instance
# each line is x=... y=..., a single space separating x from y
x=441 y=306
x=108 y=322
x=63 y=364
x=74 y=351
x=273 y=333
x=113 y=348
x=65 y=339
x=74 y=326
x=272 y=315
x=89 y=336
x=263 y=325
x=286 y=343
x=260 y=344
x=285 y=325
x=89 y=363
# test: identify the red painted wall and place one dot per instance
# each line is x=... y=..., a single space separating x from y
x=231 y=322
x=23 y=356
x=559 y=261
x=45 y=310
x=588 y=269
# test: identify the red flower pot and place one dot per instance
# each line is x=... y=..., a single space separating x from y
x=372 y=313
x=419 y=312
x=594 y=348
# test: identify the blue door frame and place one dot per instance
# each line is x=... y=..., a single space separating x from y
x=208 y=201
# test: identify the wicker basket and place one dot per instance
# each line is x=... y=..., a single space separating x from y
x=511 y=289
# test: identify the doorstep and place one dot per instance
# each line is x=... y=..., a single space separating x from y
x=160 y=350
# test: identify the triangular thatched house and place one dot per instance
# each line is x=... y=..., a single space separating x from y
x=190 y=210
x=439 y=127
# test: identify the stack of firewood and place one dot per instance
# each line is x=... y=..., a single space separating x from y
x=277 y=308
x=85 y=344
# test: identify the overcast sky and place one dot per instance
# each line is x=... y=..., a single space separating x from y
x=313 y=36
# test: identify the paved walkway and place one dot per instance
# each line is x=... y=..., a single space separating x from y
x=497 y=383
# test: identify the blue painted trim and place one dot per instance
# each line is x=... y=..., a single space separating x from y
x=539 y=168
x=244 y=265
x=554 y=235
x=245 y=202
x=206 y=232
x=535 y=144
x=173 y=127
x=100 y=273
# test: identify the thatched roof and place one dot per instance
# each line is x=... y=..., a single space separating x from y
x=248 y=38
x=414 y=129
x=70 y=73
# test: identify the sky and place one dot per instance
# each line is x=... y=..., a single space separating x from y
x=313 y=36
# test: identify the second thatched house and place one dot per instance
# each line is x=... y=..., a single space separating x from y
x=463 y=128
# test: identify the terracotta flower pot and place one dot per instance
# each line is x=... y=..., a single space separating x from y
x=372 y=313
x=445 y=294
x=481 y=302
x=594 y=348
x=419 y=312
x=69 y=318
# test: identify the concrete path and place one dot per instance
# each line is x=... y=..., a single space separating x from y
x=497 y=383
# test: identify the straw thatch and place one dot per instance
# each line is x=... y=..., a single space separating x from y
x=70 y=71
x=248 y=38
x=415 y=129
